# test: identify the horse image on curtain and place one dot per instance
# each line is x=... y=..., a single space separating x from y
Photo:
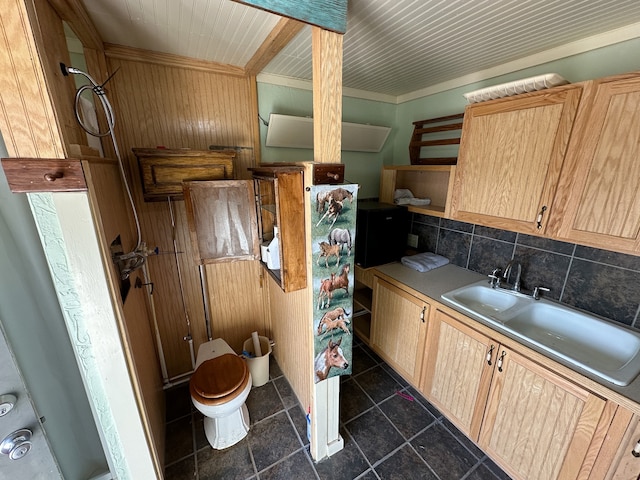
x=333 y=233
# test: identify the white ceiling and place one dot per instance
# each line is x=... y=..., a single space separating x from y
x=391 y=47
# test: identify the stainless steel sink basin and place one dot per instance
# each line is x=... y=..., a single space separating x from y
x=602 y=348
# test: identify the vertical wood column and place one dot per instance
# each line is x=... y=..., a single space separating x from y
x=327 y=95
x=327 y=142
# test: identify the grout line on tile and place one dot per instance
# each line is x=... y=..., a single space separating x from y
x=281 y=460
x=423 y=460
x=353 y=439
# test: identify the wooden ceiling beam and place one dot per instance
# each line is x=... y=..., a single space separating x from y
x=327 y=14
x=280 y=36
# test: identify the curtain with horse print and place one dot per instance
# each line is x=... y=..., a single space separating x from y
x=333 y=234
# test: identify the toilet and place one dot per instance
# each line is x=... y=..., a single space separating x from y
x=219 y=387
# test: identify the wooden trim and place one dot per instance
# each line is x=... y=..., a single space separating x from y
x=169 y=60
x=28 y=175
x=98 y=69
x=254 y=125
x=607 y=437
x=75 y=14
x=280 y=36
x=623 y=434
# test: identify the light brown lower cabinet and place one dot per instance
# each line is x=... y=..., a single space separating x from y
x=617 y=459
x=398 y=328
x=534 y=423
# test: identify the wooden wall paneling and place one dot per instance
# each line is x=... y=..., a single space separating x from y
x=27 y=111
x=236 y=301
x=191 y=107
x=143 y=354
x=110 y=211
x=191 y=281
x=291 y=319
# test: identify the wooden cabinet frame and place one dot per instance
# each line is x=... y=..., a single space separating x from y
x=597 y=202
x=510 y=158
x=226 y=221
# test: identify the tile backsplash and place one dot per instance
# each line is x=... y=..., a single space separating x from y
x=598 y=281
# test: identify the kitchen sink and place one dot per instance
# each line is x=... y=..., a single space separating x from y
x=480 y=299
x=600 y=347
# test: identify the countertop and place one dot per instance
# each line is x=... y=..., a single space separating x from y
x=449 y=277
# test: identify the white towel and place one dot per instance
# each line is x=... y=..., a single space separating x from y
x=423 y=262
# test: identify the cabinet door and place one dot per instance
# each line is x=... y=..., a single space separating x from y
x=537 y=425
x=457 y=372
x=598 y=200
x=222 y=220
x=398 y=328
x=511 y=154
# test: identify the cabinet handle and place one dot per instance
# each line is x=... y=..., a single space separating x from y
x=501 y=360
x=636 y=450
x=424 y=309
x=540 y=215
x=490 y=354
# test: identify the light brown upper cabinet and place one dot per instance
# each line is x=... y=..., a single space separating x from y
x=511 y=155
x=229 y=220
x=598 y=198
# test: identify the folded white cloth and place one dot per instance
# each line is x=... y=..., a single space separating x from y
x=423 y=262
x=402 y=193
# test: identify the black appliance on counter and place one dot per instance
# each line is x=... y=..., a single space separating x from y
x=381 y=235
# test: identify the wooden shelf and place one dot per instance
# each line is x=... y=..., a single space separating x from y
x=362 y=327
x=424 y=181
x=432 y=134
x=363 y=297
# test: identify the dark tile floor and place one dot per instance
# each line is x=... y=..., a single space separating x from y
x=389 y=430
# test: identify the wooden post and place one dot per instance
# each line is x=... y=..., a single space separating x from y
x=327 y=95
x=327 y=130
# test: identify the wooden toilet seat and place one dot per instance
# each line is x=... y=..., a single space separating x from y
x=219 y=380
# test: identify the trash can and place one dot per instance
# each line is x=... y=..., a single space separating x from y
x=258 y=366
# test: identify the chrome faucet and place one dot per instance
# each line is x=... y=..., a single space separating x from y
x=507 y=274
x=495 y=277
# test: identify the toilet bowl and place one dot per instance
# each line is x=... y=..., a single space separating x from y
x=219 y=387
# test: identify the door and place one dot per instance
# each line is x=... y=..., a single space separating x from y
x=398 y=328
x=458 y=373
x=34 y=459
x=537 y=425
x=598 y=202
